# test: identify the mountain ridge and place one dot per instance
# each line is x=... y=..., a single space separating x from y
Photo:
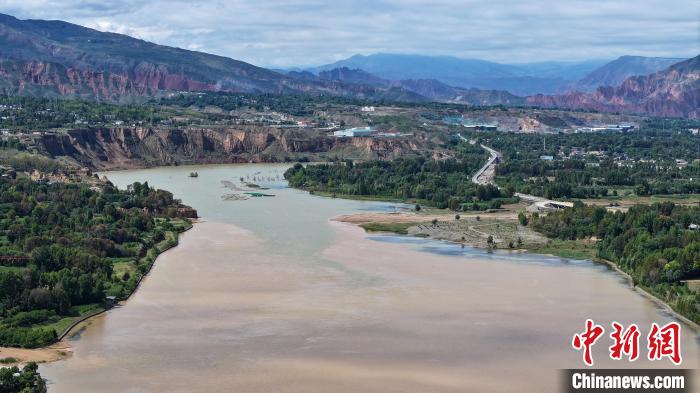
x=518 y=79
x=56 y=58
x=615 y=72
x=60 y=58
x=674 y=91
x=429 y=88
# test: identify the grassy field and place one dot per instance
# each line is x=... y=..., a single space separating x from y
x=682 y=199
x=17 y=269
x=130 y=265
x=570 y=249
x=121 y=267
x=77 y=311
x=393 y=227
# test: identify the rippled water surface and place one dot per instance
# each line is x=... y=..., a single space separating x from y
x=269 y=295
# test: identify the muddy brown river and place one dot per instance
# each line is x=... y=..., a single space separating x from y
x=269 y=295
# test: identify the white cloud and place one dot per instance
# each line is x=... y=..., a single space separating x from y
x=303 y=32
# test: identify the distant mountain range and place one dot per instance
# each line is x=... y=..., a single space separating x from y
x=51 y=58
x=431 y=89
x=519 y=79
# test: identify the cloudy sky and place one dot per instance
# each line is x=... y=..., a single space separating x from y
x=282 y=33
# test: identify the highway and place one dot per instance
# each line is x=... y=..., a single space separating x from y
x=486 y=174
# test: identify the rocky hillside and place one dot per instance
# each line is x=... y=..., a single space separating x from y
x=345 y=74
x=674 y=91
x=615 y=72
x=438 y=91
x=112 y=148
x=58 y=58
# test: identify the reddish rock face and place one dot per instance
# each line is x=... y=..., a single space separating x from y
x=672 y=92
x=143 y=80
x=54 y=57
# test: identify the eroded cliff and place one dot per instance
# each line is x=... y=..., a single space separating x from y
x=113 y=148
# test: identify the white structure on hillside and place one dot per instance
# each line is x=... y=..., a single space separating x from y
x=608 y=127
x=354 y=132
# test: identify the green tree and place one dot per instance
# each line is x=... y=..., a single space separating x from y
x=522 y=218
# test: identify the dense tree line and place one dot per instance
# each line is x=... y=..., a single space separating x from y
x=26 y=112
x=574 y=179
x=641 y=162
x=657 y=244
x=440 y=183
x=26 y=380
x=299 y=104
x=58 y=244
x=27 y=162
x=12 y=143
x=293 y=104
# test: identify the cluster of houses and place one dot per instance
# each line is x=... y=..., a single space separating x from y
x=576 y=152
x=594 y=157
x=8 y=108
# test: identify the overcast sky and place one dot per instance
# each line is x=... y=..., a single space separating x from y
x=280 y=33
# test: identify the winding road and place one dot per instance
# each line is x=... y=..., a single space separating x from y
x=486 y=174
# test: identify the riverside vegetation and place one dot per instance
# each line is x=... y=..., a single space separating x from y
x=439 y=183
x=65 y=246
x=601 y=165
x=114 y=236
x=656 y=245
x=25 y=380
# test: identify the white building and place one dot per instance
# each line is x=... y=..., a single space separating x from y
x=608 y=127
x=481 y=127
x=354 y=132
x=367 y=109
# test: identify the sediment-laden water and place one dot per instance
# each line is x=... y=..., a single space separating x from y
x=269 y=295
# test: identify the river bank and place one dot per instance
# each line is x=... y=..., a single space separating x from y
x=483 y=230
x=10 y=356
x=474 y=231
x=269 y=295
x=61 y=349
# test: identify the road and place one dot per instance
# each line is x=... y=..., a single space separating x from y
x=486 y=174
